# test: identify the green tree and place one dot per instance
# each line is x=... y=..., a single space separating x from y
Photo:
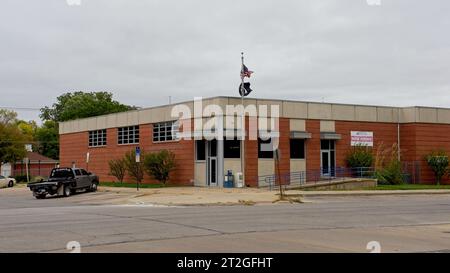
x=438 y=162
x=47 y=138
x=71 y=106
x=77 y=105
x=12 y=140
x=160 y=164
x=134 y=169
x=117 y=168
x=28 y=128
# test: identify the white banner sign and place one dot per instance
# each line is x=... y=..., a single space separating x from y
x=359 y=138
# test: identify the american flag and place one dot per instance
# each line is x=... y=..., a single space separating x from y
x=245 y=72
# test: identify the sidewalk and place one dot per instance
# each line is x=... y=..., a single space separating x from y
x=185 y=196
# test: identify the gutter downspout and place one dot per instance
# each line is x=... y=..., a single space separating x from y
x=398 y=134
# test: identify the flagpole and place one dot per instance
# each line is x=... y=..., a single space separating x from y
x=242 y=124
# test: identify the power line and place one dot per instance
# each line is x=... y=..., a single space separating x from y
x=20 y=108
x=28 y=142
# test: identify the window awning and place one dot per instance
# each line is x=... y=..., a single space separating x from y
x=300 y=135
x=330 y=135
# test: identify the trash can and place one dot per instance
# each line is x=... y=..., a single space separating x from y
x=228 y=182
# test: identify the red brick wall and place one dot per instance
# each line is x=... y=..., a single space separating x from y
x=312 y=146
x=251 y=157
x=385 y=133
x=418 y=140
x=75 y=146
x=284 y=146
x=34 y=169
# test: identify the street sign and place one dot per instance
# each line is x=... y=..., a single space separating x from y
x=138 y=154
x=87 y=157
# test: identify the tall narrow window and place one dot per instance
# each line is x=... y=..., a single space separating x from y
x=97 y=138
x=128 y=135
x=200 y=149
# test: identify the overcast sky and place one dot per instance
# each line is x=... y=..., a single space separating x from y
x=396 y=53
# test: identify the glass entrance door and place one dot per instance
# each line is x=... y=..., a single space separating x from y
x=327 y=158
x=212 y=163
x=325 y=163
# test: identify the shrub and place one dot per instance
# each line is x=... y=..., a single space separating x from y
x=117 y=168
x=20 y=178
x=360 y=157
x=37 y=178
x=391 y=174
x=388 y=172
x=160 y=164
x=438 y=162
x=134 y=169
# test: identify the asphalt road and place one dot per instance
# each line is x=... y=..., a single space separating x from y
x=417 y=223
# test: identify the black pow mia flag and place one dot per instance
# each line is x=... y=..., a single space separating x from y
x=246 y=89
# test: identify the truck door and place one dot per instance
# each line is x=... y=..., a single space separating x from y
x=86 y=178
x=80 y=179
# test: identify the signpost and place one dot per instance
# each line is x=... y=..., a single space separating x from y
x=27 y=161
x=277 y=156
x=138 y=160
x=87 y=160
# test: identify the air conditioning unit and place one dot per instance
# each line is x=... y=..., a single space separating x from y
x=239 y=178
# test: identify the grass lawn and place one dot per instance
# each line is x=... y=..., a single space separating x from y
x=131 y=185
x=411 y=187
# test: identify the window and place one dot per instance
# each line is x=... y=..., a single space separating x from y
x=265 y=148
x=326 y=144
x=77 y=172
x=165 y=131
x=232 y=148
x=297 y=147
x=61 y=173
x=200 y=149
x=97 y=138
x=83 y=172
x=128 y=135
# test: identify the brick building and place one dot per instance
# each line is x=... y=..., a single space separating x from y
x=38 y=165
x=313 y=137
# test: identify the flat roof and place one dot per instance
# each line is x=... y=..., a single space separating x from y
x=293 y=109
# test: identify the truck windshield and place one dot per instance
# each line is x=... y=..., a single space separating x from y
x=61 y=173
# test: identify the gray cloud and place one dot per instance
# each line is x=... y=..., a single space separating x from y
x=143 y=51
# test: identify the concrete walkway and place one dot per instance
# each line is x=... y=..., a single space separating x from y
x=184 y=196
x=192 y=196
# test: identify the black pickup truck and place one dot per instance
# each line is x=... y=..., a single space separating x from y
x=64 y=182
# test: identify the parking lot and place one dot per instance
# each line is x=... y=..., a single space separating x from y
x=99 y=223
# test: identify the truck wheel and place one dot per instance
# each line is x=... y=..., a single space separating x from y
x=93 y=187
x=40 y=196
x=67 y=191
x=11 y=184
